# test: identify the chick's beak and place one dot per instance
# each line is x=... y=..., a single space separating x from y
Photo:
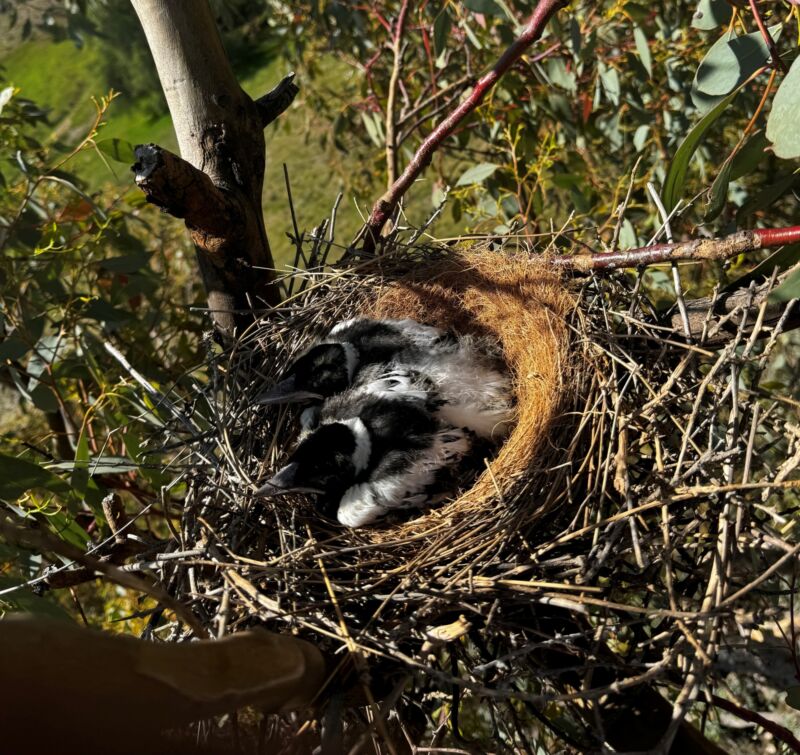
x=286 y=392
x=284 y=481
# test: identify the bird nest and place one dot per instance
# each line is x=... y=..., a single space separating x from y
x=612 y=535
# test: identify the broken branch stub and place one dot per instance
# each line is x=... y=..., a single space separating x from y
x=216 y=185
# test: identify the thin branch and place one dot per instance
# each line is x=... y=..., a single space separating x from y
x=41 y=541
x=391 y=134
x=777 y=61
x=696 y=250
x=777 y=731
x=386 y=205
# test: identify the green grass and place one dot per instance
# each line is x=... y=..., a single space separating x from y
x=65 y=78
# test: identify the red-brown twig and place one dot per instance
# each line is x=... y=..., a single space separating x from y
x=777 y=61
x=777 y=731
x=695 y=251
x=386 y=205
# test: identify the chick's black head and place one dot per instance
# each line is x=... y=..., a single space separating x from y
x=324 y=459
x=323 y=369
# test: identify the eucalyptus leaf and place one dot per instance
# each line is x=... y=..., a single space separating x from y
x=441 y=29
x=676 y=175
x=711 y=13
x=98 y=465
x=728 y=64
x=718 y=193
x=766 y=197
x=643 y=49
x=477 y=174
x=783 y=259
x=486 y=7
x=788 y=290
x=18 y=476
x=783 y=124
x=746 y=160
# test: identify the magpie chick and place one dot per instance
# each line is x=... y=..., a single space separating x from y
x=334 y=363
x=373 y=455
x=459 y=381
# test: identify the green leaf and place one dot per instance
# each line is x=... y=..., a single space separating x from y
x=782 y=124
x=126 y=263
x=43 y=398
x=487 y=7
x=788 y=290
x=374 y=127
x=23 y=599
x=766 y=197
x=783 y=259
x=643 y=49
x=557 y=73
x=640 y=137
x=728 y=64
x=80 y=475
x=719 y=192
x=749 y=156
x=676 y=175
x=102 y=311
x=117 y=149
x=609 y=78
x=98 y=465
x=18 y=476
x=711 y=13
x=13 y=348
x=441 y=29
x=477 y=174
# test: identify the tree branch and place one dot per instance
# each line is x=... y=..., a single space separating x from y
x=728 y=311
x=274 y=102
x=385 y=206
x=220 y=133
x=391 y=135
x=177 y=187
x=696 y=250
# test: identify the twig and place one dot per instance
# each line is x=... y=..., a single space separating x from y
x=698 y=250
x=386 y=205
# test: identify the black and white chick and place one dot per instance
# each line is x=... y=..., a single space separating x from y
x=372 y=454
x=459 y=380
x=334 y=363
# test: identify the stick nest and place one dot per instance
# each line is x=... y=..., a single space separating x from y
x=631 y=501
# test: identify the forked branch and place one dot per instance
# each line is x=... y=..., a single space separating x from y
x=386 y=205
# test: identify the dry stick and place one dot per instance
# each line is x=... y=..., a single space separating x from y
x=386 y=205
x=42 y=540
x=695 y=251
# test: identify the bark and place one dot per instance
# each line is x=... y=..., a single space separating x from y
x=729 y=310
x=217 y=186
x=697 y=250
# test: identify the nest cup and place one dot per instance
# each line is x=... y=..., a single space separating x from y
x=514 y=301
x=507 y=297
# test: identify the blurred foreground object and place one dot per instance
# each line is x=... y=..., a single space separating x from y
x=83 y=691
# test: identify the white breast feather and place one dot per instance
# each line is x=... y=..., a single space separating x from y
x=364 y=503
